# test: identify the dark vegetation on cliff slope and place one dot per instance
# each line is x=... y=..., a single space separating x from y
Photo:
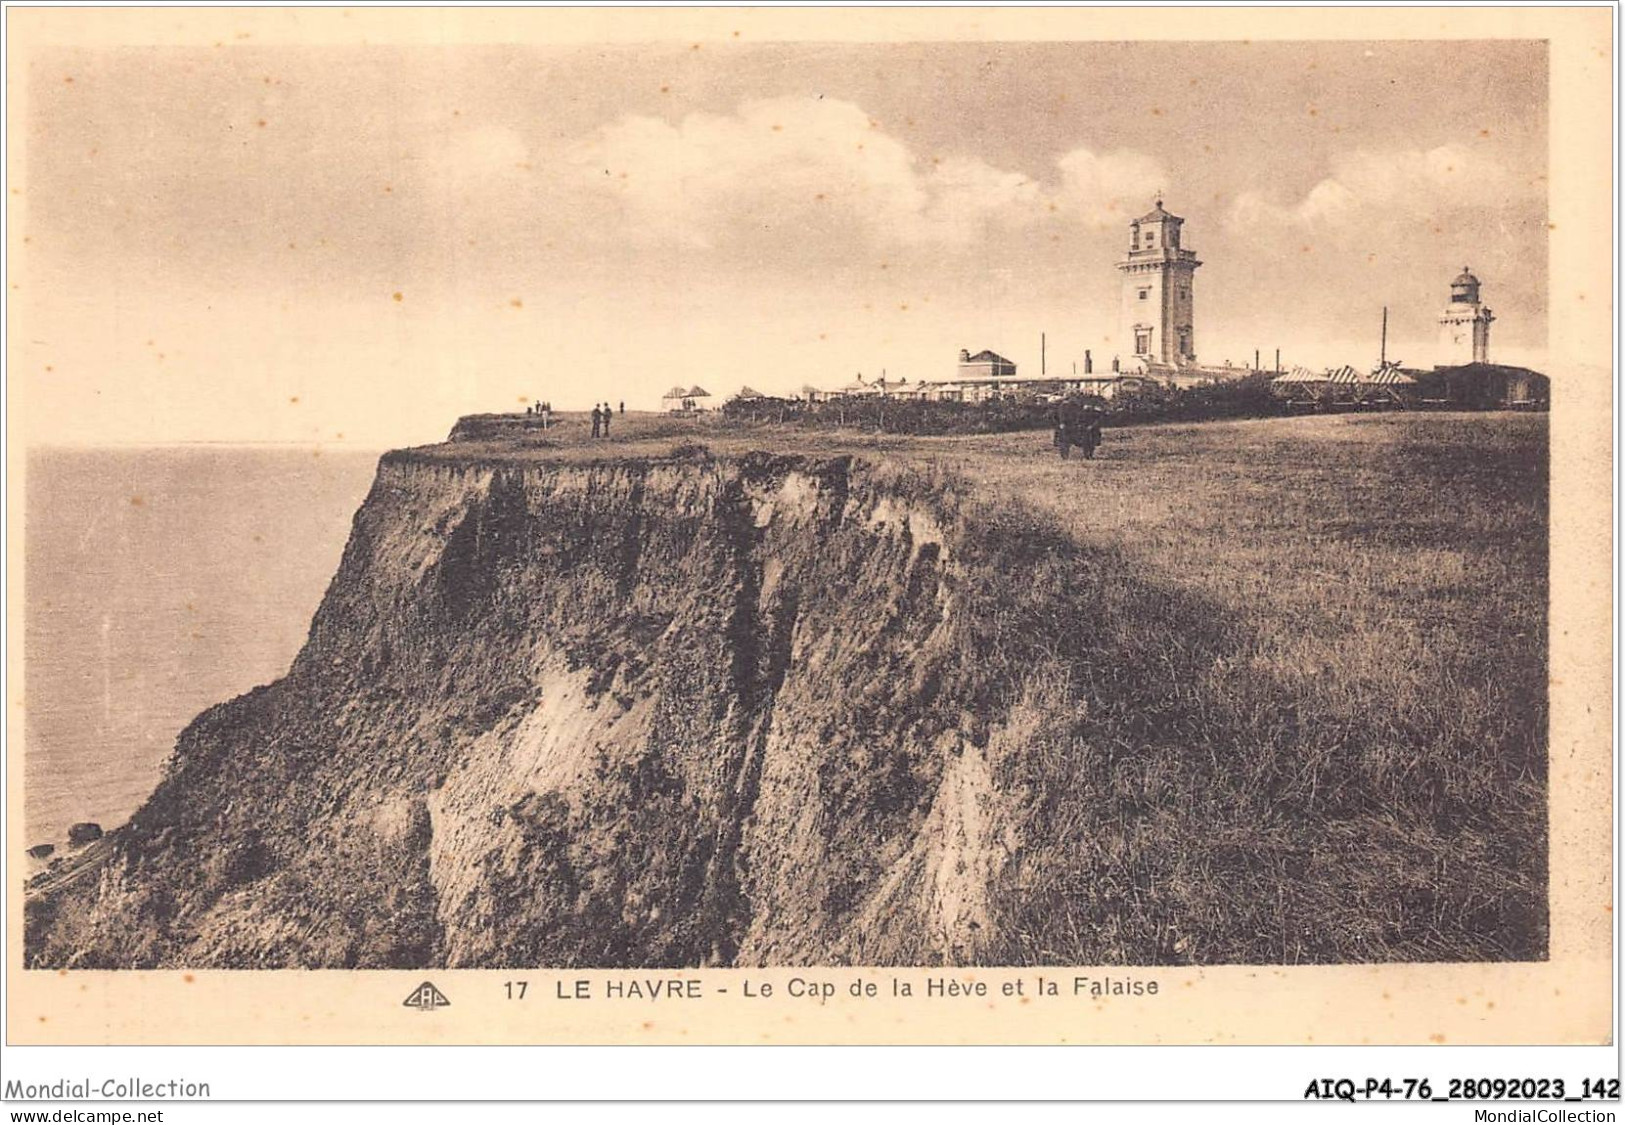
x=1257 y=692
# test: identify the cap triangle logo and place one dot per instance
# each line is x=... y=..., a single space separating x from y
x=426 y=998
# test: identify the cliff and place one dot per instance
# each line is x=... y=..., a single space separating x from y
x=683 y=709
x=657 y=713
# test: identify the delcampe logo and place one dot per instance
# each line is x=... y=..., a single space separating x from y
x=426 y=998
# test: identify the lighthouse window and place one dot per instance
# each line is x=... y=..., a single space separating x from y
x=1145 y=294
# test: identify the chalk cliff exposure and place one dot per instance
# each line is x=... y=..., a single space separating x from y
x=662 y=713
x=698 y=711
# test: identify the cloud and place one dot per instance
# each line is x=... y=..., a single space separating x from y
x=967 y=196
x=776 y=166
x=1109 y=188
x=797 y=168
x=1414 y=183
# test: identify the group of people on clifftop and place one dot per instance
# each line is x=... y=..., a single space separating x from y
x=601 y=414
x=1080 y=428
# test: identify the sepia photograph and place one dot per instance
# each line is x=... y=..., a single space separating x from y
x=773 y=503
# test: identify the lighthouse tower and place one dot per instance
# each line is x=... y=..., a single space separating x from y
x=1157 y=320
x=1464 y=326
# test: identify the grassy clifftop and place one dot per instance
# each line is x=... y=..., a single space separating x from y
x=1262 y=692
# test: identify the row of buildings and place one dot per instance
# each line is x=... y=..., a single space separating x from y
x=988 y=377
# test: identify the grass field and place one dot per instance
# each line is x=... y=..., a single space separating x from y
x=1346 y=617
x=1307 y=660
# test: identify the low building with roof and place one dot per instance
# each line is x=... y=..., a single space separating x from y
x=857 y=388
x=679 y=401
x=1484 y=386
x=861 y=388
x=983 y=365
x=1384 y=384
x=903 y=389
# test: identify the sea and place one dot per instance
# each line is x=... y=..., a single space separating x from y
x=159 y=581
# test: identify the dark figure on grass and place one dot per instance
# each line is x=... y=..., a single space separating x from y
x=1063 y=441
x=597 y=420
x=608 y=414
x=1091 y=435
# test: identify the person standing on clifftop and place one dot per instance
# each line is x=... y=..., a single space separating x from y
x=608 y=414
x=623 y=408
x=597 y=420
x=1091 y=438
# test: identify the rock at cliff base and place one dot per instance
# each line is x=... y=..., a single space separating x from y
x=84 y=833
x=41 y=851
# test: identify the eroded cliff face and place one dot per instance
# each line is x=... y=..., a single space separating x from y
x=686 y=710
x=670 y=712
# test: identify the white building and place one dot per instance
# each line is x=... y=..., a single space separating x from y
x=1158 y=309
x=1464 y=326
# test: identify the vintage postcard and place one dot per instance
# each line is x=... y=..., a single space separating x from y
x=787 y=526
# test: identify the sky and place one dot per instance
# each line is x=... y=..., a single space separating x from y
x=359 y=244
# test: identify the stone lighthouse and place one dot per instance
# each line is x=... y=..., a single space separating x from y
x=1464 y=326
x=1157 y=311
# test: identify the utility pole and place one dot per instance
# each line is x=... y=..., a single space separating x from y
x=1042 y=353
x=1384 y=360
x=1277 y=361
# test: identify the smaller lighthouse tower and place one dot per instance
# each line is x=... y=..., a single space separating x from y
x=1464 y=326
